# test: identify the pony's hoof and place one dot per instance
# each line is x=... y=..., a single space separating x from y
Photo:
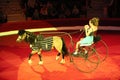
x=40 y=62
x=30 y=61
x=57 y=57
x=62 y=61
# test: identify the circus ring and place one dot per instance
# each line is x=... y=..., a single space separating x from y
x=14 y=56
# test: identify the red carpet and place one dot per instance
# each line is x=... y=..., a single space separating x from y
x=14 y=66
x=14 y=56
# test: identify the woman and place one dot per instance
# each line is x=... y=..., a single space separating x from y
x=89 y=34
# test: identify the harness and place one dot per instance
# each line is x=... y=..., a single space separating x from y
x=42 y=43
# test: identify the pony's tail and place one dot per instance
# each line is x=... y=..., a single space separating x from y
x=64 y=48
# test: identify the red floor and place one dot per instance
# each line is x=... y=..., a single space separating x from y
x=14 y=66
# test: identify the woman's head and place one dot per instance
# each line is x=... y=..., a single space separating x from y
x=94 y=21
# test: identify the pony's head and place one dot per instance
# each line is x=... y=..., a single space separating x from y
x=27 y=36
x=21 y=35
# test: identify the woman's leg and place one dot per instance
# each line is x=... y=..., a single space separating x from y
x=77 y=48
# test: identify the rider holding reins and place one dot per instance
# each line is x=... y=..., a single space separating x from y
x=90 y=30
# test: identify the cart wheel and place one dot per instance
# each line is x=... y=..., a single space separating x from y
x=86 y=62
x=101 y=49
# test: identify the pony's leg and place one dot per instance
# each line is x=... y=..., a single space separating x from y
x=40 y=57
x=58 y=44
x=30 y=55
x=63 y=60
x=58 y=56
x=29 y=59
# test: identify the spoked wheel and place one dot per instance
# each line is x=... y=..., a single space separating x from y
x=87 y=61
x=101 y=49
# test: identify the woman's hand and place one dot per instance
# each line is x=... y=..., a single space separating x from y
x=86 y=27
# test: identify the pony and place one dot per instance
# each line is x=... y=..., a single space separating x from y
x=39 y=43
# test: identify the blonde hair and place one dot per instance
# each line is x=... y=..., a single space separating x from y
x=95 y=21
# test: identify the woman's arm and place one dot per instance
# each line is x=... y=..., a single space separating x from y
x=87 y=30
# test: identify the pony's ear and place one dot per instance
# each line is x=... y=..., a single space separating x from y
x=20 y=32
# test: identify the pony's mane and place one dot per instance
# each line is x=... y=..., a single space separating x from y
x=31 y=38
x=21 y=32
